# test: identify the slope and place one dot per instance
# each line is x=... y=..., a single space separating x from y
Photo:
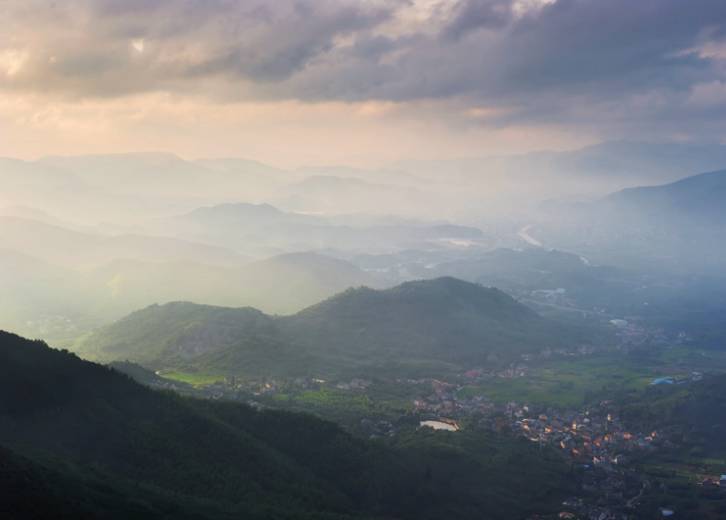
x=68 y=424
x=440 y=324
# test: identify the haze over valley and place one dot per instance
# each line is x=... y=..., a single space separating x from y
x=336 y=259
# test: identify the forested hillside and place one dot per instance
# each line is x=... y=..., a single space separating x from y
x=108 y=447
x=427 y=325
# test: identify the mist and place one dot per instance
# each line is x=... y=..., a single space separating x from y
x=363 y=259
x=124 y=231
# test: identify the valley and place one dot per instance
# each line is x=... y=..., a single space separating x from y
x=353 y=366
x=362 y=260
x=581 y=404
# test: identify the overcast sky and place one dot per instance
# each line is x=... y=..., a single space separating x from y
x=360 y=82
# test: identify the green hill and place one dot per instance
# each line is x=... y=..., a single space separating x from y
x=434 y=321
x=428 y=325
x=695 y=413
x=176 y=332
x=84 y=441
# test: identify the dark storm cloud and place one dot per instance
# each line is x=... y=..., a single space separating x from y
x=112 y=47
x=474 y=15
x=608 y=47
x=534 y=57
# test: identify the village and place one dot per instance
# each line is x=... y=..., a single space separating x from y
x=595 y=441
x=592 y=438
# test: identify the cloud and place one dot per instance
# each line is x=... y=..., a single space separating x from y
x=96 y=44
x=539 y=61
x=475 y=15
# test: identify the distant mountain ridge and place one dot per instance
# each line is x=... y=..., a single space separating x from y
x=263 y=230
x=113 y=274
x=698 y=196
x=679 y=227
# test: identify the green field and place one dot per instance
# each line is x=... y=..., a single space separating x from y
x=572 y=383
x=344 y=406
x=196 y=379
x=565 y=383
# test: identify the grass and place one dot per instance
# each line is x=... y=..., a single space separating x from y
x=196 y=379
x=564 y=384
x=572 y=383
x=694 y=358
x=345 y=407
x=679 y=478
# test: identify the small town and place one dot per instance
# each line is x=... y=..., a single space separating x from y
x=595 y=441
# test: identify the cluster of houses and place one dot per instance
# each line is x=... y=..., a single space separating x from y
x=597 y=442
x=594 y=437
x=633 y=335
x=354 y=384
x=715 y=482
x=444 y=401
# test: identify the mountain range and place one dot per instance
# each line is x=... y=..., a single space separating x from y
x=424 y=326
x=696 y=199
x=677 y=227
x=256 y=229
x=113 y=187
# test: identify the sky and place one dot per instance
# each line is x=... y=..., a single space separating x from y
x=360 y=82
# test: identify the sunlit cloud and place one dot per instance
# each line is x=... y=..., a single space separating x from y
x=138 y=45
x=545 y=64
x=12 y=61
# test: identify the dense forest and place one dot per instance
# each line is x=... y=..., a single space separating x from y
x=85 y=439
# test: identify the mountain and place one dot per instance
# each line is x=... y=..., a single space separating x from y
x=33 y=298
x=514 y=186
x=380 y=176
x=641 y=161
x=108 y=276
x=282 y=284
x=75 y=249
x=288 y=283
x=333 y=194
x=616 y=164
x=695 y=411
x=121 y=188
x=242 y=213
x=24 y=182
x=444 y=320
x=162 y=335
x=699 y=198
x=527 y=268
x=111 y=275
x=430 y=326
x=254 y=229
x=249 y=180
x=127 y=173
x=92 y=189
x=677 y=227
x=543 y=274
x=263 y=230
x=79 y=440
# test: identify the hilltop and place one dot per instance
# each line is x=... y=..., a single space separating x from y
x=428 y=325
x=444 y=320
x=675 y=228
x=699 y=197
